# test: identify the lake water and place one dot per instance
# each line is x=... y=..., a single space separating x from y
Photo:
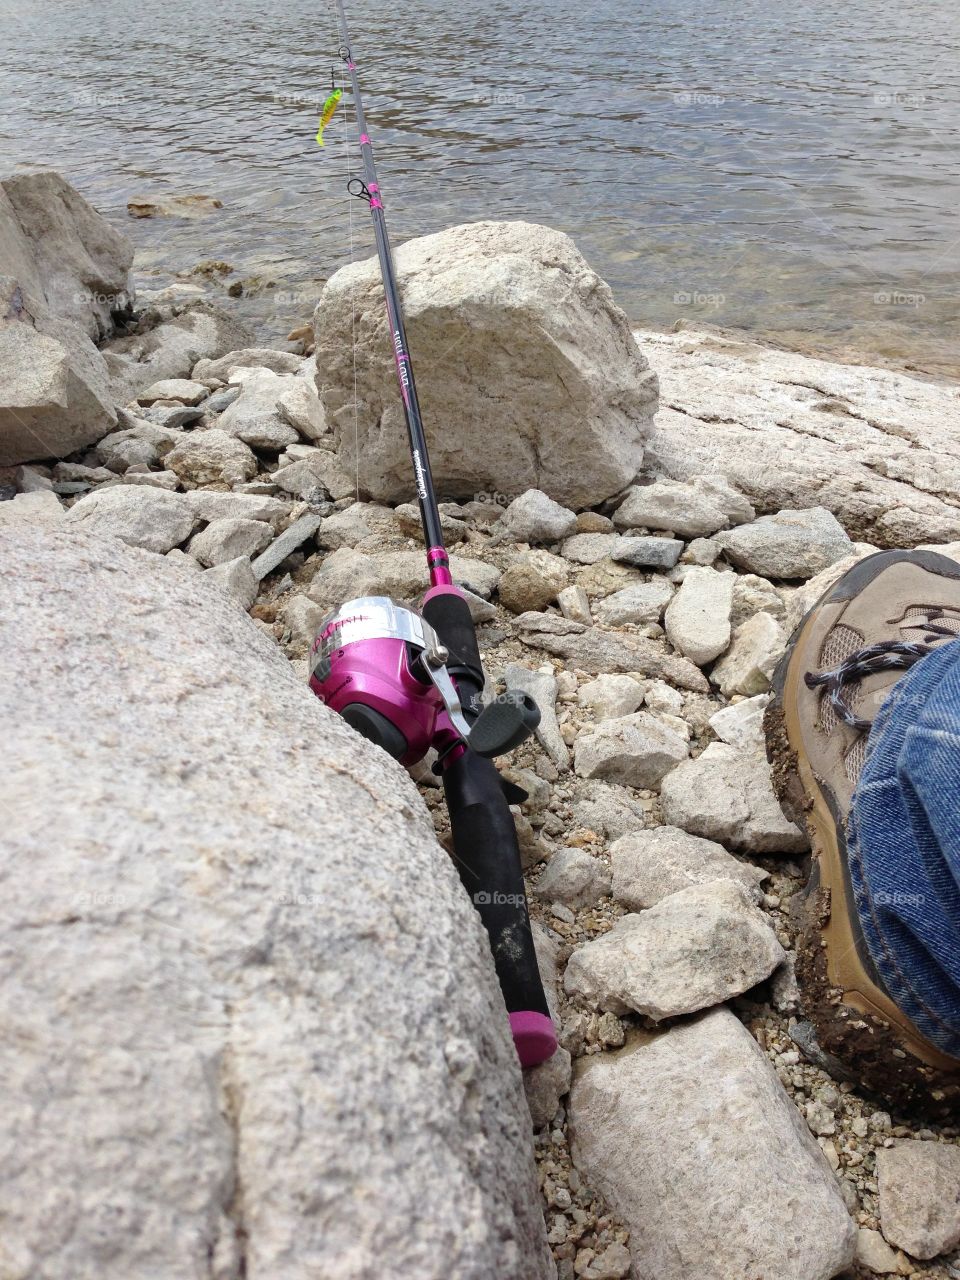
x=791 y=171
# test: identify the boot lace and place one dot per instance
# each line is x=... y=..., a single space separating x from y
x=885 y=655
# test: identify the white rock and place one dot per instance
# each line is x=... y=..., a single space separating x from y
x=237 y=579
x=574 y=877
x=361 y=523
x=688 y=510
x=650 y=865
x=232 y=1010
x=535 y=517
x=200 y=329
x=611 y=696
x=227 y=539
x=209 y=504
x=790 y=544
x=532 y=365
x=545 y=1085
x=726 y=795
x=647 y=553
x=40 y=508
x=875 y=1254
x=641 y=602
x=181 y=389
x=741 y=724
x=575 y=604
x=302 y=617
x=747 y=666
x=320 y=471
x=807 y=595
x=221 y=368
x=607 y=809
x=694 y=1144
x=697 y=619
x=752 y=594
x=532 y=580
x=150 y=518
x=206 y=457
x=695 y=948
x=636 y=750
x=168 y=480
x=659 y=696
x=919 y=1186
x=542 y=687
x=588 y=548
x=143 y=443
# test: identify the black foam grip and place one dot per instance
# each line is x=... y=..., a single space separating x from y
x=488 y=859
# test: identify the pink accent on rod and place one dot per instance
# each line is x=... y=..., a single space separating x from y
x=534 y=1037
x=364 y=139
x=440 y=575
x=442 y=589
x=373 y=187
x=376 y=203
x=351 y=66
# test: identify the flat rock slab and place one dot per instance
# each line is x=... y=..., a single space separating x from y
x=346 y=574
x=878 y=448
x=697 y=619
x=726 y=795
x=542 y=687
x=286 y=543
x=650 y=865
x=696 y=1146
x=601 y=652
x=919 y=1186
x=694 y=949
x=250 y=1013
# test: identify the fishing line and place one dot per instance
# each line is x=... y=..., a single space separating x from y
x=353 y=293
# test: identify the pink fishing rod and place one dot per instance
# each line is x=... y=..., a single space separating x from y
x=412 y=681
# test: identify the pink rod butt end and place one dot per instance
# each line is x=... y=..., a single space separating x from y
x=534 y=1037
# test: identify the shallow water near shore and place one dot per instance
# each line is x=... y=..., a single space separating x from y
x=794 y=174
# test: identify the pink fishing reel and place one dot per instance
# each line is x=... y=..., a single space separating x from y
x=382 y=667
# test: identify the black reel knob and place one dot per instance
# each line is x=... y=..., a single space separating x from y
x=504 y=723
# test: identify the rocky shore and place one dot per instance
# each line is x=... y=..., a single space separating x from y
x=639 y=520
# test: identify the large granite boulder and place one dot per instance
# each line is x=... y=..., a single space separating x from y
x=63 y=276
x=250 y=1020
x=526 y=368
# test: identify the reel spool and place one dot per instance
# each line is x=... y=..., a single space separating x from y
x=382 y=667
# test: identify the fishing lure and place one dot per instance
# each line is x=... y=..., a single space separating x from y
x=329 y=107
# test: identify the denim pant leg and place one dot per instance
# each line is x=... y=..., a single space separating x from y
x=904 y=846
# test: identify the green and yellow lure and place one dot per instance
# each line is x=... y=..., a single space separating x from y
x=326 y=115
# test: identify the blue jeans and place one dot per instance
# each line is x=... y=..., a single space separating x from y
x=904 y=846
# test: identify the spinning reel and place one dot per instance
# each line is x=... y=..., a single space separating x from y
x=383 y=668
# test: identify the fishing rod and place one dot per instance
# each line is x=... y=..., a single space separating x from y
x=412 y=680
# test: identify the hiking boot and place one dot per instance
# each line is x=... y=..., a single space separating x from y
x=881 y=617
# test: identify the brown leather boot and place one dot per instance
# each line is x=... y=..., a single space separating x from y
x=881 y=617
